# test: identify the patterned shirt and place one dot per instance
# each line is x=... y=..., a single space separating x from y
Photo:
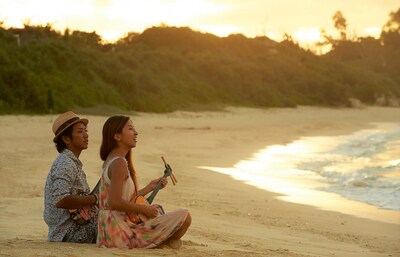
x=65 y=178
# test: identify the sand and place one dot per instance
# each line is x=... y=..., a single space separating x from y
x=230 y=218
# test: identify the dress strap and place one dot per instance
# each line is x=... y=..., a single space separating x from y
x=107 y=165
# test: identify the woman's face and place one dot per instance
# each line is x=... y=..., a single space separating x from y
x=129 y=134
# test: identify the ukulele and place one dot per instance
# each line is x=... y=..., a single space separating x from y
x=139 y=217
x=83 y=215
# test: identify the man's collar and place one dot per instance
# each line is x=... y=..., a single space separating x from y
x=72 y=156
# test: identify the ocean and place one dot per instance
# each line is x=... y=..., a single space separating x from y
x=357 y=174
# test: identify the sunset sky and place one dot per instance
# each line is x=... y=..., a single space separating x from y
x=113 y=18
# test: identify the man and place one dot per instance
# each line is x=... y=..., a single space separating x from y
x=66 y=185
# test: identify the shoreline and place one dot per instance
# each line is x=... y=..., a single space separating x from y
x=279 y=175
x=230 y=218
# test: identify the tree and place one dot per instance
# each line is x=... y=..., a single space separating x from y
x=85 y=39
x=393 y=25
x=131 y=37
x=340 y=24
x=50 y=101
x=390 y=35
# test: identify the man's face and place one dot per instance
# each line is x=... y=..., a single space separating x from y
x=79 y=137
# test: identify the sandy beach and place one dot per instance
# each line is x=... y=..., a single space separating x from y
x=230 y=218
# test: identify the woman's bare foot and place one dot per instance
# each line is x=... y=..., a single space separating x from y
x=174 y=244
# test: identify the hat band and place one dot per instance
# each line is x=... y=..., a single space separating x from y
x=66 y=124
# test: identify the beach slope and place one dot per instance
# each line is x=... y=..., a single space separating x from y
x=230 y=218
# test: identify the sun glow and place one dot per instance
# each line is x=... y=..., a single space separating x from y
x=308 y=35
x=372 y=31
x=134 y=17
x=153 y=12
x=112 y=19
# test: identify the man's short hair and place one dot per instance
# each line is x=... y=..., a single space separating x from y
x=60 y=144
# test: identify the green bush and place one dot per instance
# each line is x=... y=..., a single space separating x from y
x=167 y=68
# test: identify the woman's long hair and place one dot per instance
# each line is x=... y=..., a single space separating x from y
x=114 y=126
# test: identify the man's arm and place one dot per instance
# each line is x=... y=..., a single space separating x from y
x=63 y=177
x=76 y=201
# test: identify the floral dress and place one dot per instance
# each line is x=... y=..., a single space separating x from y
x=116 y=229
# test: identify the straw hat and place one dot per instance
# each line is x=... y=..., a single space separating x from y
x=64 y=121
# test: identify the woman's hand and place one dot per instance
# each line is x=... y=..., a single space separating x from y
x=154 y=183
x=149 y=211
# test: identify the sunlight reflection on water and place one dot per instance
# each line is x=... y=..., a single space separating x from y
x=357 y=174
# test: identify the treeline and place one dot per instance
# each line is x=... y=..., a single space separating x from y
x=169 y=68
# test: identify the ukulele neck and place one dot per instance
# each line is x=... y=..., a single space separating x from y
x=155 y=191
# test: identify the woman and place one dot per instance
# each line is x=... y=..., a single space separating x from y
x=119 y=186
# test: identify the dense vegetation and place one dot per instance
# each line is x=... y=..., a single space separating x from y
x=169 y=68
